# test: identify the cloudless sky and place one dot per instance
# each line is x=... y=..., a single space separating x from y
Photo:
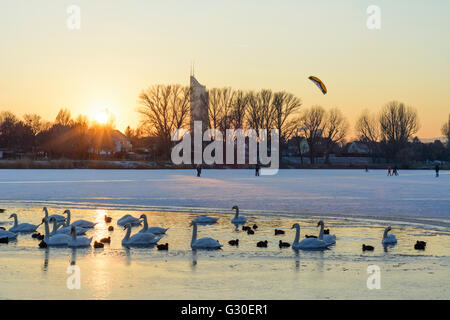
x=126 y=46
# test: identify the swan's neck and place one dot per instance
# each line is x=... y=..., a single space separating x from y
x=297 y=235
x=55 y=227
x=16 y=221
x=46 y=212
x=194 y=233
x=68 y=219
x=145 y=223
x=47 y=230
x=385 y=233
x=237 y=213
x=127 y=235
x=321 y=232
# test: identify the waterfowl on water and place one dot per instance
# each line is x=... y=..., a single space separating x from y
x=110 y=228
x=106 y=240
x=78 y=242
x=233 y=242
x=255 y=227
x=328 y=238
x=307 y=243
x=250 y=231
x=282 y=244
x=262 y=244
x=388 y=238
x=367 y=248
x=56 y=239
x=43 y=244
x=128 y=219
x=420 y=245
x=154 y=230
x=277 y=232
x=79 y=223
x=202 y=243
x=238 y=219
x=22 y=227
x=139 y=239
x=58 y=217
x=98 y=245
x=245 y=228
x=107 y=219
x=205 y=220
x=163 y=246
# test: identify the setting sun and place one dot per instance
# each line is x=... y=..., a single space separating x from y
x=102 y=116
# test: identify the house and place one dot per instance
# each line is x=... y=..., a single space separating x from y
x=121 y=142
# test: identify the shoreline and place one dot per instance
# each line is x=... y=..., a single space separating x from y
x=68 y=164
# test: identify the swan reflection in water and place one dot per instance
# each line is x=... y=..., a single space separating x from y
x=46 y=259
x=194 y=259
x=73 y=257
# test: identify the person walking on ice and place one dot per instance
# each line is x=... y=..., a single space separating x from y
x=437 y=170
x=257 y=168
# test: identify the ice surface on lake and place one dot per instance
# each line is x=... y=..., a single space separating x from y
x=414 y=196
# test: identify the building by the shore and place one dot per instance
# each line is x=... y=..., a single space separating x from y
x=199 y=102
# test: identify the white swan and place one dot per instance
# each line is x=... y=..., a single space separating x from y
x=57 y=239
x=58 y=217
x=7 y=234
x=78 y=242
x=56 y=225
x=128 y=219
x=79 y=223
x=238 y=219
x=328 y=238
x=388 y=238
x=154 y=230
x=307 y=243
x=203 y=243
x=22 y=227
x=205 y=220
x=139 y=239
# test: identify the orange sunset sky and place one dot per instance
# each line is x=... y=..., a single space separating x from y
x=123 y=47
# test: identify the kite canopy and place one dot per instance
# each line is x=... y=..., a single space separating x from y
x=319 y=84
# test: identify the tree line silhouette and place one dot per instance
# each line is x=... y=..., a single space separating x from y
x=388 y=133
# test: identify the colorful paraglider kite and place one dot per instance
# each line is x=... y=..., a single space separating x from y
x=319 y=84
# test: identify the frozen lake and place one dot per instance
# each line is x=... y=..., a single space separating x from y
x=355 y=205
x=415 y=194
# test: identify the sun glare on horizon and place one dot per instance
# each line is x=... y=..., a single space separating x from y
x=101 y=116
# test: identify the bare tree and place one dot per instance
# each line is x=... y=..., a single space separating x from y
x=398 y=123
x=284 y=107
x=215 y=111
x=368 y=130
x=239 y=109
x=446 y=131
x=63 y=118
x=164 y=109
x=312 y=124
x=34 y=121
x=335 y=130
x=259 y=115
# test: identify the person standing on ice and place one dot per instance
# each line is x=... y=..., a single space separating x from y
x=199 y=170
x=389 y=171
x=437 y=170
x=257 y=168
x=395 y=171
